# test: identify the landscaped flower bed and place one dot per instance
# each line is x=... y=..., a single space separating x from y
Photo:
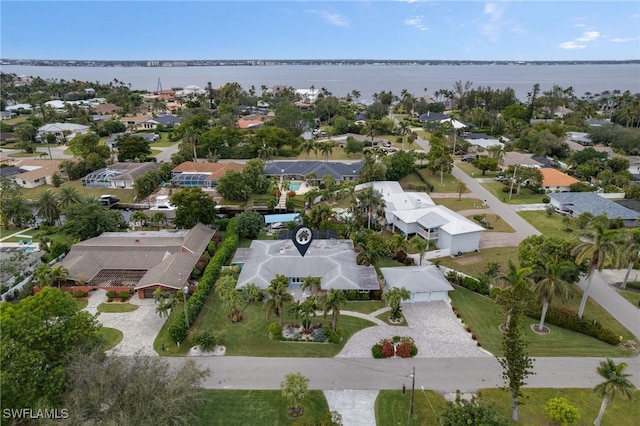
x=297 y=332
x=396 y=347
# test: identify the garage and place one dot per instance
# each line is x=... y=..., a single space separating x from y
x=425 y=283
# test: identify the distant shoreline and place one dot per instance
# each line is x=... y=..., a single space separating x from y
x=168 y=63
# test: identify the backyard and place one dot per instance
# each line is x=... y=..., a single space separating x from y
x=525 y=197
x=550 y=226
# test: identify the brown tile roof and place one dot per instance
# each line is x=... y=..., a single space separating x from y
x=107 y=108
x=552 y=177
x=45 y=168
x=253 y=120
x=215 y=170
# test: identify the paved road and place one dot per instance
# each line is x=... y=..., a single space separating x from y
x=440 y=374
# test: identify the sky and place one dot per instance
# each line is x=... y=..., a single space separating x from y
x=394 y=30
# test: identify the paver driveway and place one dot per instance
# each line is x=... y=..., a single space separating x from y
x=433 y=326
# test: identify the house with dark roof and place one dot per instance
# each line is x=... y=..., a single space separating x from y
x=140 y=122
x=168 y=120
x=297 y=170
x=118 y=175
x=202 y=175
x=142 y=261
x=576 y=203
x=481 y=140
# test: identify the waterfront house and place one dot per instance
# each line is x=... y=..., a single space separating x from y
x=202 y=175
x=576 y=203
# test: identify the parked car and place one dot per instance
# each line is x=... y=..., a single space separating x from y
x=468 y=159
x=500 y=178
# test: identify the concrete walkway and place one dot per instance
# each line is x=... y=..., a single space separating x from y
x=357 y=407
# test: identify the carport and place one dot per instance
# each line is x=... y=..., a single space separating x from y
x=425 y=283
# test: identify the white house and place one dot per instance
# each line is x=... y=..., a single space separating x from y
x=308 y=95
x=425 y=283
x=62 y=131
x=415 y=213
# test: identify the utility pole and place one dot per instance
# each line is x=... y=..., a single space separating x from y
x=413 y=388
x=513 y=179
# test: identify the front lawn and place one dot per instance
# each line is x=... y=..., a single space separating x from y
x=116 y=307
x=125 y=195
x=484 y=317
x=620 y=412
x=364 y=307
x=257 y=407
x=496 y=222
x=474 y=263
x=550 y=226
x=525 y=197
x=449 y=182
x=469 y=168
x=392 y=407
x=461 y=204
x=5 y=232
x=632 y=296
x=250 y=337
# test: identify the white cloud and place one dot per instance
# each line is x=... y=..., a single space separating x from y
x=494 y=10
x=334 y=19
x=491 y=29
x=570 y=45
x=416 y=22
x=589 y=36
x=624 y=40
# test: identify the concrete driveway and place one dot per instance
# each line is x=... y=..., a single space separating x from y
x=432 y=325
x=139 y=327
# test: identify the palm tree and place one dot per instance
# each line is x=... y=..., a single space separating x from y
x=312 y=284
x=630 y=247
x=278 y=296
x=461 y=187
x=15 y=210
x=59 y=274
x=421 y=245
x=393 y=298
x=368 y=254
x=48 y=208
x=42 y=276
x=515 y=284
x=326 y=148
x=308 y=146
x=400 y=242
x=371 y=202
x=165 y=302
x=138 y=218
x=332 y=302
x=67 y=196
x=552 y=283
x=598 y=246
x=159 y=219
x=616 y=383
x=294 y=389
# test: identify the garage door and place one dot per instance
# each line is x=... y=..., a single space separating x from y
x=438 y=295
x=420 y=297
x=148 y=293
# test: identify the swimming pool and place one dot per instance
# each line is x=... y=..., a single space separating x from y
x=29 y=249
x=294 y=186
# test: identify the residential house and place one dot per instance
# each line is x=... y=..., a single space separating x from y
x=439 y=118
x=308 y=95
x=140 y=261
x=112 y=142
x=426 y=283
x=555 y=181
x=5 y=115
x=8 y=137
x=576 y=203
x=107 y=109
x=35 y=172
x=481 y=141
x=297 y=170
x=331 y=260
x=62 y=131
x=414 y=213
x=254 y=121
x=203 y=175
x=139 y=122
x=168 y=120
x=580 y=137
x=118 y=175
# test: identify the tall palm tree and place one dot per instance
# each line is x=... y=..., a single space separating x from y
x=159 y=219
x=15 y=210
x=138 y=218
x=278 y=296
x=326 y=148
x=308 y=146
x=630 y=247
x=420 y=244
x=312 y=284
x=59 y=274
x=295 y=390
x=67 y=196
x=516 y=285
x=616 y=383
x=371 y=202
x=598 y=246
x=393 y=298
x=552 y=283
x=48 y=208
x=332 y=302
x=368 y=254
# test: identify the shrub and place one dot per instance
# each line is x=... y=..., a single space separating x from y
x=376 y=351
x=559 y=410
x=351 y=295
x=124 y=295
x=546 y=199
x=112 y=294
x=80 y=294
x=334 y=336
x=275 y=331
x=211 y=248
x=364 y=296
x=318 y=335
x=403 y=350
x=387 y=349
x=205 y=340
x=633 y=285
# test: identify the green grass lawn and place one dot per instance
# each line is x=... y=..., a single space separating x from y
x=112 y=337
x=386 y=262
x=364 y=307
x=475 y=263
x=631 y=296
x=392 y=407
x=257 y=407
x=4 y=232
x=81 y=304
x=525 y=196
x=116 y=307
x=385 y=317
x=125 y=195
x=620 y=412
x=461 y=204
x=550 y=226
x=498 y=224
x=469 y=168
x=250 y=338
x=410 y=182
x=484 y=317
x=164 y=141
x=449 y=182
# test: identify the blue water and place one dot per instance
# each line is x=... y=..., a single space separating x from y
x=295 y=186
x=29 y=250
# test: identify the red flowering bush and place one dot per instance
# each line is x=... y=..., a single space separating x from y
x=387 y=349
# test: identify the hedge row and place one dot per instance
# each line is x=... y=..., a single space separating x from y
x=568 y=319
x=178 y=330
x=478 y=286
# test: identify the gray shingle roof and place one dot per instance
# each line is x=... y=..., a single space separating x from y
x=580 y=202
x=416 y=279
x=320 y=168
